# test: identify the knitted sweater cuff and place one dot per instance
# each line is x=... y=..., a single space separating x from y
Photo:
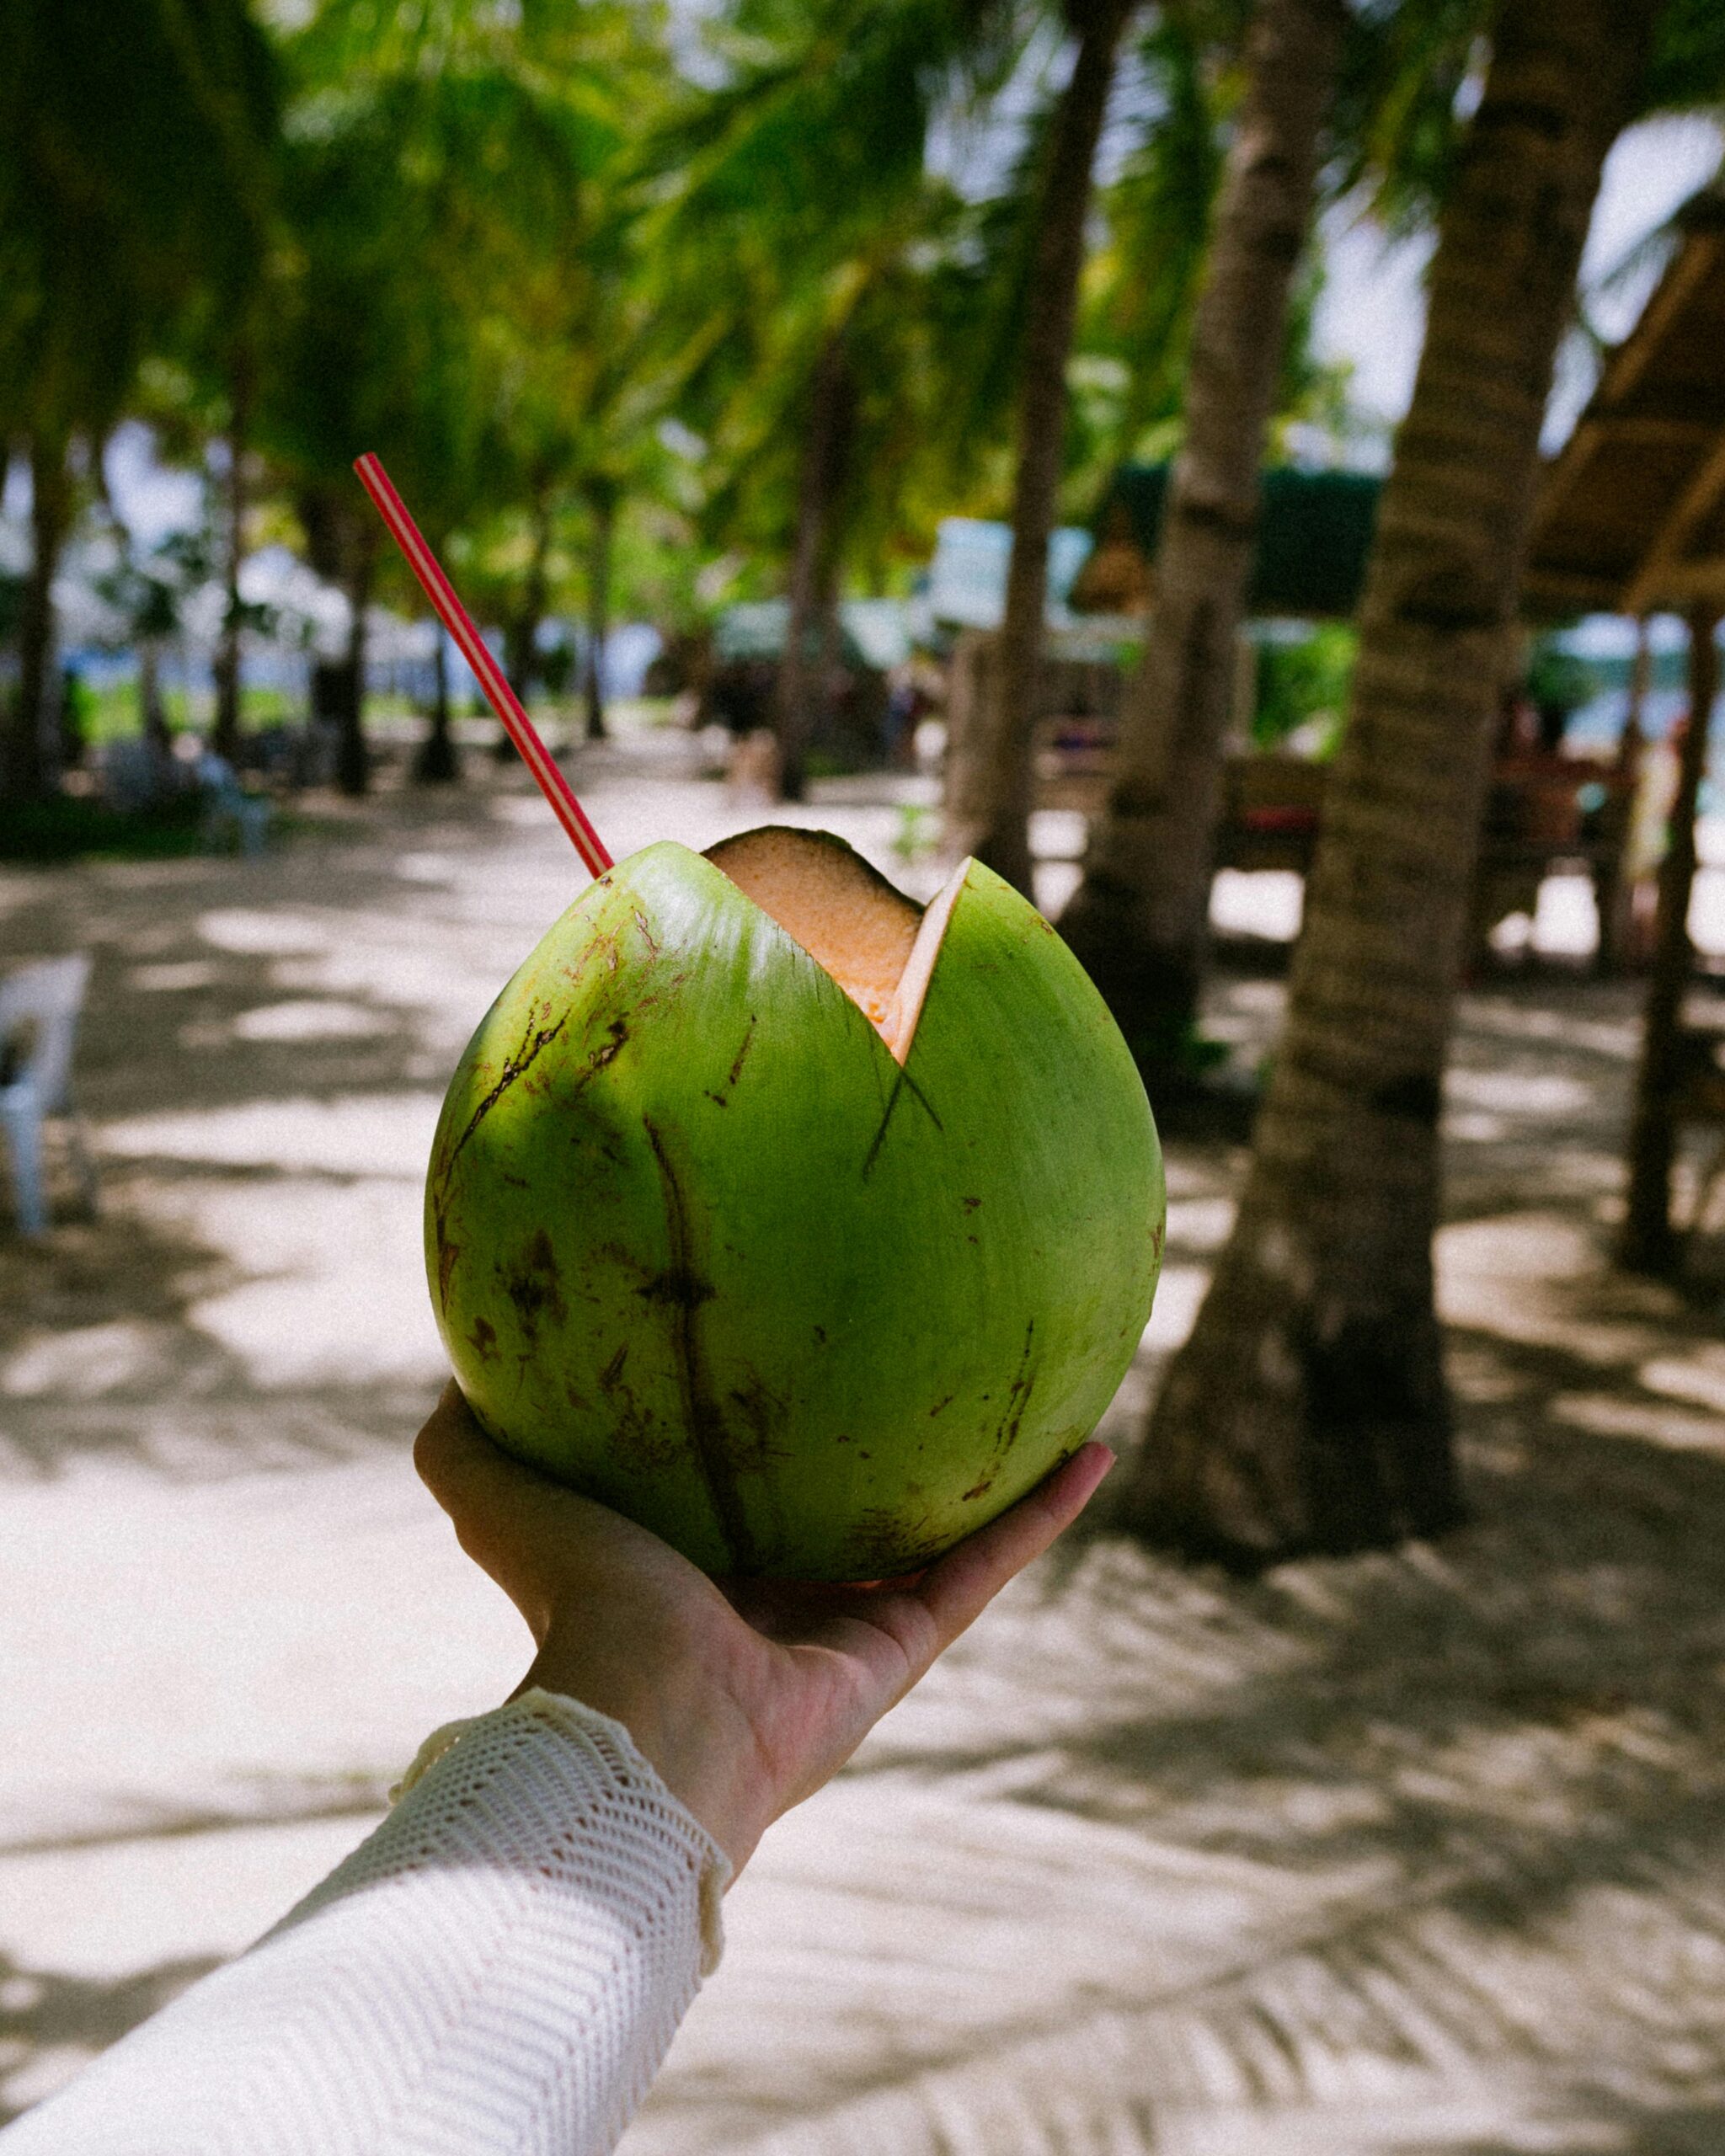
x=555 y=1710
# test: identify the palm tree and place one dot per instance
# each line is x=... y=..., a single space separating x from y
x=135 y=176
x=1141 y=285
x=1308 y=1409
x=806 y=177
x=601 y=491
x=224 y=733
x=593 y=373
x=1138 y=921
x=1392 y=88
x=442 y=221
x=989 y=769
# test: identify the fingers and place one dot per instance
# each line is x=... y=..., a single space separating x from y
x=499 y=1505
x=956 y=1591
x=442 y=1444
x=540 y=1541
x=457 y=1462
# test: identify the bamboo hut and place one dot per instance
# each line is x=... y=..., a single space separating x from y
x=1630 y=519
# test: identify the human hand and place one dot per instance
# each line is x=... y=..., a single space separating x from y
x=745 y=1695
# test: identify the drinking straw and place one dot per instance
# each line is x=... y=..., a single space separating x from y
x=502 y=699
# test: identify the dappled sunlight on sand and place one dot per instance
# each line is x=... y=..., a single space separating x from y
x=307 y=1019
x=1698 y=1377
x=1607 y=1415
x=83 y=1362
x=1409 y=1854
x=338 y=1287
x=353 y=1134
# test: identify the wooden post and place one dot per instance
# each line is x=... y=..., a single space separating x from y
x=1244 y=700
x=1649 y=1244
x=1614 y=892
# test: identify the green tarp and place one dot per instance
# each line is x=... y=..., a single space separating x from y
x=1315 y=532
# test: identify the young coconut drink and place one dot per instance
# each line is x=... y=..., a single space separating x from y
x=806 y=1227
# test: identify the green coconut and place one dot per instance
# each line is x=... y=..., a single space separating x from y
x=806 y=1227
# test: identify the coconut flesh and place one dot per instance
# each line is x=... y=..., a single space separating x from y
x=877 y=945
x=806 y=1226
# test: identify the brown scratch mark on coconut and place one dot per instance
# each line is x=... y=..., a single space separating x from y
x=532 y=1046
x=970 y=1204
x=941 y=1405
x=617 y=1037
x=886 y=1544
x=742 y=1055
x=1018 y=1399
x=764 y=1413
x=448 y=1251
x=638 y=1432
x=681 y=1289
x=483 y=1337
x=921 y=1099
x=534 y=1288
x=903 y=1083
x=721 y=1096
x=647 y=936
x=820 y=1335
x=615 y=1256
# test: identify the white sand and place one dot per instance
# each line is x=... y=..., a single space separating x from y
x=1411 y=1854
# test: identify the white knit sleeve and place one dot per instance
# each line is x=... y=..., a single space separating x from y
x=497 y=1971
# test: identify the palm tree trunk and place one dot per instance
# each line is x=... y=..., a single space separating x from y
x=825 y=643
x=1139 y=922
x=1613 y=893
x=152 y=714
x=601 y=496
x=28 y=773
x=438 y=762
x=1650 y=1243
x=826 y=458
x=225 y=735
x=353 y=760
x=1309 y=1410
x=990 y=772
x=521 y=641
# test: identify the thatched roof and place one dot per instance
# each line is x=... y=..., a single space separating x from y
x=1631 y=516
x=1314 y=534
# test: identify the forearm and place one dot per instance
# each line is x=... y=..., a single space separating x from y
x=501 y=1966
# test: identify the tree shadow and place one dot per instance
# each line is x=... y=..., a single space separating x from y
x=1462 y=1807
x=103 y=1357
x=43 y=2013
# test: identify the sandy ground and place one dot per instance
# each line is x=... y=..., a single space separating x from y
x=1412 y=1853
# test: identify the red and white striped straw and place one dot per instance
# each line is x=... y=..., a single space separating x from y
x=502 y=699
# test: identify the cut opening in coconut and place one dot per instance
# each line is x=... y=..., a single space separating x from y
x=877 y=945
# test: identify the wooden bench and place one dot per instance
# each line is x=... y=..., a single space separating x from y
x=1543 y=814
